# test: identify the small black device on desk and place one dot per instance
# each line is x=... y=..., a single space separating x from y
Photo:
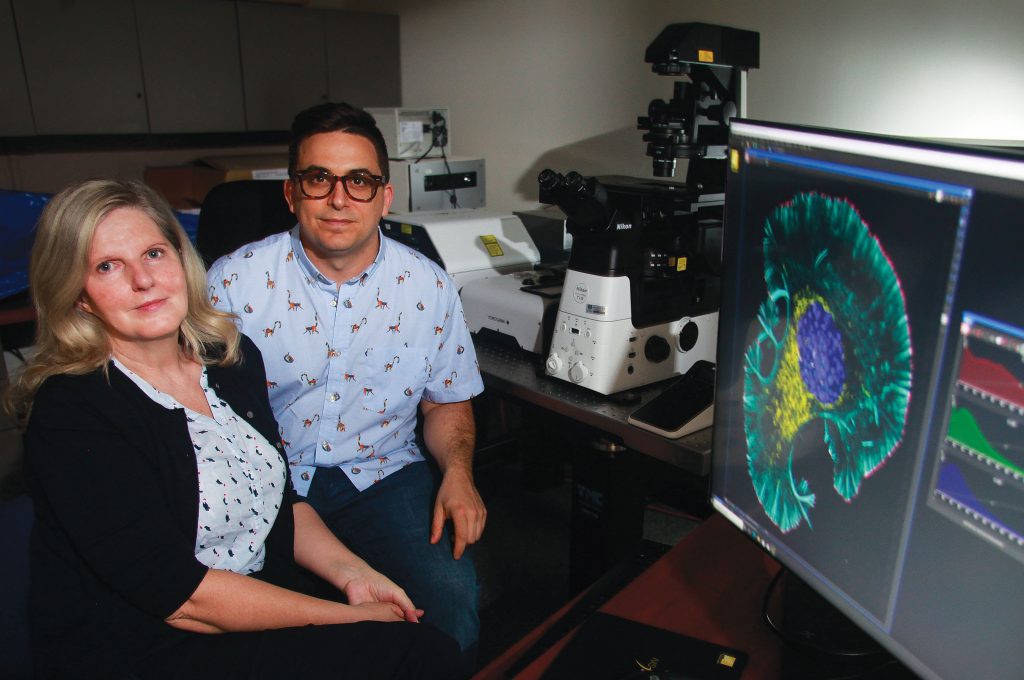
x=684 y=407
x=608 y=647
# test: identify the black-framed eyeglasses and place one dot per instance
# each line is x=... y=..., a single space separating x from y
x=319 y=183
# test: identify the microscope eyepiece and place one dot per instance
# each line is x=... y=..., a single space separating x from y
x=548 y=179
x=574 y=181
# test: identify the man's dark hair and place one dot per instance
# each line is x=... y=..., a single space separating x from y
x=336 y=117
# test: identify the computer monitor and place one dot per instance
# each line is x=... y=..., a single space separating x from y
x=869 y=408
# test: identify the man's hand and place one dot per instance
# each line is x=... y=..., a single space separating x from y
x=450 y=435
x=459 y=501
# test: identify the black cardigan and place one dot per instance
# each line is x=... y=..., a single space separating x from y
x=114 y=480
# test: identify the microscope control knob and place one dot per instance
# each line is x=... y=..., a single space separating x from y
x=578 y=373
x=688 y=336
x=553 y=365
x=657 y=349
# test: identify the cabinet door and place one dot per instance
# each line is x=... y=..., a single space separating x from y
x=363 y=59
x=193 y=73
x=283 y=64
x=15 y=113
x=82 y=64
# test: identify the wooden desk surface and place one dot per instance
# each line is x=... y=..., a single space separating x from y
x=709 y=586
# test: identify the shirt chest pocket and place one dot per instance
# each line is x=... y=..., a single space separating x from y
x=390 y=377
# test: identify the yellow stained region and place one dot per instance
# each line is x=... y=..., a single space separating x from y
x=791 y=403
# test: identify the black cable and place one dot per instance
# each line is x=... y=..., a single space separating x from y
x=425 y=153
x=439 y=124
x=438 y=139
x=453 y=199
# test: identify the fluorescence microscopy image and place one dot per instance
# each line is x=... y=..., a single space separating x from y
x=833 y=349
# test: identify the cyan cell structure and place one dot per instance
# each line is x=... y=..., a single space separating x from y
x=833 y=346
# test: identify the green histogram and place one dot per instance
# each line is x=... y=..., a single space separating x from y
x=964 y=430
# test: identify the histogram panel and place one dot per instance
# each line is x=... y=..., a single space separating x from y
x=992 y=362
x=982 y=499
x=979 y=475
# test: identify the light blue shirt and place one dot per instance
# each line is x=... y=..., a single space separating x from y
x=347 y=368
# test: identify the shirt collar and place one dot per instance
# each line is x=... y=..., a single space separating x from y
x=310 y=269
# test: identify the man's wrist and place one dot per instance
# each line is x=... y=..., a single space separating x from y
x=459 y=471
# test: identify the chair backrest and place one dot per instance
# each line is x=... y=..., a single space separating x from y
x=15 y=527
x=236 y=213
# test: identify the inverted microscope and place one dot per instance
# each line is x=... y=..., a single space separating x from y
x=641 y=293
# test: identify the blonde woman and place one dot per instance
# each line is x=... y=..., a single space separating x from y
x=164 y=515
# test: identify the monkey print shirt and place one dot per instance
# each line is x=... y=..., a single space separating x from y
x=348 y=365
x=241 y=481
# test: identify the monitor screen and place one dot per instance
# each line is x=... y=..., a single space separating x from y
x=869 y=409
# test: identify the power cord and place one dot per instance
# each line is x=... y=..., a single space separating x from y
x=439 y=140
x=884 y=661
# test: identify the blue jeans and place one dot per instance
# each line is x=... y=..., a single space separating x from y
x=388 y=525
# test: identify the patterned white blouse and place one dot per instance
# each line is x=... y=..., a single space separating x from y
x=241 y=481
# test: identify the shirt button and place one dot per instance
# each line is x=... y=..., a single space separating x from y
x=326 y=445
x=334 y=302
x=305 y=476
x=335 y=396
x=248 y=414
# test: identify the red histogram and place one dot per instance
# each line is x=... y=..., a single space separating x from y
x=991 y=377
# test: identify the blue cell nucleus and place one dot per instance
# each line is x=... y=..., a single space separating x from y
x=821 y=353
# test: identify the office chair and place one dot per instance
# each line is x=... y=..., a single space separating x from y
x=236 y=213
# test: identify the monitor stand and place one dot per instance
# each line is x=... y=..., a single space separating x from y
x=803 y=617
x=820 y=640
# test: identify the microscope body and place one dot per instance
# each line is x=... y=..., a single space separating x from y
x=641 y=292
x=640 y=295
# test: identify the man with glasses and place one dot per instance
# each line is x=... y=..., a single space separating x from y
x=359 y=333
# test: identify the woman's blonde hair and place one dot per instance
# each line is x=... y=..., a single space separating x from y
x=71 y=340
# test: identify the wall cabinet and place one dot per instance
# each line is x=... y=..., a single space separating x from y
x=295 y=57
x=283 y=63
x=363 y=61
x=82 y=64
x=15 y=113
x=186 y=66
x=191 y=66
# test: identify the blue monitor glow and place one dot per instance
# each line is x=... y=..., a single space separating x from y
x=869 y=409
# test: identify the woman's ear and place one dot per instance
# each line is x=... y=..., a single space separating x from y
x=82 y=304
